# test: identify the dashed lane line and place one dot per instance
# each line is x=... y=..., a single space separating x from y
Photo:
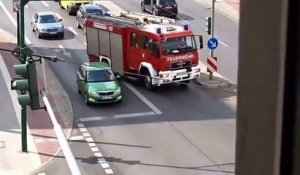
x=45 y=3
x=72 y=30
x=92 y=145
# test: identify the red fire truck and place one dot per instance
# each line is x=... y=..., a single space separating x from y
x=145 y=46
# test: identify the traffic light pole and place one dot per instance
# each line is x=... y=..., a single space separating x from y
x=212 y=32
x=21 y=45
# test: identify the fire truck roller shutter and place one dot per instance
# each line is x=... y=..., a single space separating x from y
x=92 y=41
x=116 y=53
x=104 y=43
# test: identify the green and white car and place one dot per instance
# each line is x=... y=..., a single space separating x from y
x=98 y=84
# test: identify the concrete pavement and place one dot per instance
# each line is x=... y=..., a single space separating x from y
x=42 y=143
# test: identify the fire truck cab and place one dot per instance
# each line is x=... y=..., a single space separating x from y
x=145 y=46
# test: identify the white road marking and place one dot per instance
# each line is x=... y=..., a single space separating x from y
x=58 y=16
x=94 y=149
x=143 y=98
x=80 y=125
x=109 y=171
x=92 y=144
x=77 y=137
x=89 y=139
x=101 y=160
x=72 y=30
x=134 y=115
x=35 y=158
x=98 y=154
x=119 y=116
x=223 y=43
x=13 y=20
x=83 y=129
x=86 y=134
x=41 y=173
x=87 y=119
x=105 y=165
x=45 y=4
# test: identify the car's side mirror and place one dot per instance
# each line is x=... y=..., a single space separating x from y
x=118 y=76
x=80 y=78
x=59 y=20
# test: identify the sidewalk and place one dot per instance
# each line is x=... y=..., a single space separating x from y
x=42 y=143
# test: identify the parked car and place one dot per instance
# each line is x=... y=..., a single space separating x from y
x=98 y=84
x=72 y=6
x=47 y=24
x=87 y=9
x=167 y=8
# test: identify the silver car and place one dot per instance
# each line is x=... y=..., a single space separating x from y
x=47 y=24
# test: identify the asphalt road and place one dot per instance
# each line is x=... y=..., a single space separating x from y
x=171 y=131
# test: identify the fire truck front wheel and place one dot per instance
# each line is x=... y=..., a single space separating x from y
x=148 y=82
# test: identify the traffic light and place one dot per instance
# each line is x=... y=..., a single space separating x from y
x=208 y=25
x=26 y=82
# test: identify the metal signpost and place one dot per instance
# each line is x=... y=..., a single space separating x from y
x=212 y=33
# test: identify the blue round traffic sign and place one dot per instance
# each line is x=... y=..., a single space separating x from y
x=212 y=43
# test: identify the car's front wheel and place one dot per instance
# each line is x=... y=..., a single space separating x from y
x=86 y=99
x=77 y=24
x=38 y=35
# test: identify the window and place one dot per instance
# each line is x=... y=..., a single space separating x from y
x=144 y=42
x=47 y=19
x=134 y=40
x=100 y=76
x=154 y=48
x=178 y=44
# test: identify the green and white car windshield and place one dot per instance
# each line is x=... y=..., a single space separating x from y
x=100 y=76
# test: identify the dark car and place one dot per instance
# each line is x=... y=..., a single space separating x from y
x=167 y=8
x=87 y=9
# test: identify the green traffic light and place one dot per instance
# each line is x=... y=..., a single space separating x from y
x=21 y=69
x=19 y=84
x=24 y=99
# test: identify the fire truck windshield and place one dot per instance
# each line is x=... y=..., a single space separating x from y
x=178 y=44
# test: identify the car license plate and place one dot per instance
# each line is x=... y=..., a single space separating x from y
x=52 y=33
x=107 y=97
x=168 y=7
x=181 y=73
